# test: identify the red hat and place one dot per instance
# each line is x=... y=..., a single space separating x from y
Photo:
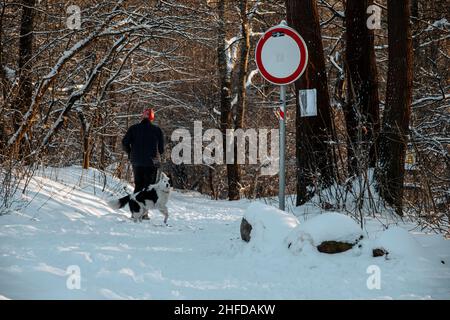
x=149 y=114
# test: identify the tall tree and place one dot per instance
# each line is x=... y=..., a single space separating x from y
x=396 y=116
x=241 y=104
x=243 y=64
x=25 y=84
x=26 y=52
x=226 y=113
x=314 y=163
x=362 y=108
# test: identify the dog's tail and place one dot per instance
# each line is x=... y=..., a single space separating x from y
x=117 y=204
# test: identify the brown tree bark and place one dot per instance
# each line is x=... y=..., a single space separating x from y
x=314 y=165
x=3 y=81
x=243 y=65
x=25 y=82
x=25 y=55
x=362 y=108
x=226 y=119
x=396 y=116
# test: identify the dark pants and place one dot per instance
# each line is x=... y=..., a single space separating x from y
x=143 y=177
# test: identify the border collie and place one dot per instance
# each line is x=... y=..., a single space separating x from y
x=155 y=196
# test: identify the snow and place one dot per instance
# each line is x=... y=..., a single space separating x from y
x=330 y=226
x=68 y=225
x=231 y=53
x=249 y=81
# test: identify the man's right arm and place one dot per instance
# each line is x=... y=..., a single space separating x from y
x=126 y=141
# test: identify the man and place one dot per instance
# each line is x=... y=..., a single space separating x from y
x=142 y=142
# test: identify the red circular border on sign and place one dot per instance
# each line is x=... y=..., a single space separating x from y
x=303 y=56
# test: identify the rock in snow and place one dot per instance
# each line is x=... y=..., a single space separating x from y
x=379 y=252
x=335 y=246
x=246 y=229
x=268 y=225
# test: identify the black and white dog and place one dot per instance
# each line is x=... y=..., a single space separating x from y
x=155 y=196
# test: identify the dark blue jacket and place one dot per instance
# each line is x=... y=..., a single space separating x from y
x=142 y=143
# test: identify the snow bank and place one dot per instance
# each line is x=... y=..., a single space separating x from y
x=269 y=226
x=399 y=243
x=330 y=226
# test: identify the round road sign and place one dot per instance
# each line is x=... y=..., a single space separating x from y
x=281 y=55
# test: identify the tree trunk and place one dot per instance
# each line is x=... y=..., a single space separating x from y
x=396 y=116
x=241 y=88
x=25 y=55
x=226 y=119
x=25 y=84
x=362 y=108
x=85 y=137
x=211 y=183
x=243 y=65
x=4 y=82
x=314 y=163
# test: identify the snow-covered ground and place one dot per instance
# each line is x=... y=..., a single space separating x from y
x=69 y=228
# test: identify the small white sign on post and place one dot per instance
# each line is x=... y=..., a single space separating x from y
x=307 y=100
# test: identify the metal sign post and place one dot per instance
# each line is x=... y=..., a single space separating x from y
x=281 y=57
x=282 y=173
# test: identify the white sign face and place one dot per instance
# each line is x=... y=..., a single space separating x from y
x=280 y=56
x=307 y=100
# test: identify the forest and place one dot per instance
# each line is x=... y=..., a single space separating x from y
x=365 y=169
x=74 y=78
